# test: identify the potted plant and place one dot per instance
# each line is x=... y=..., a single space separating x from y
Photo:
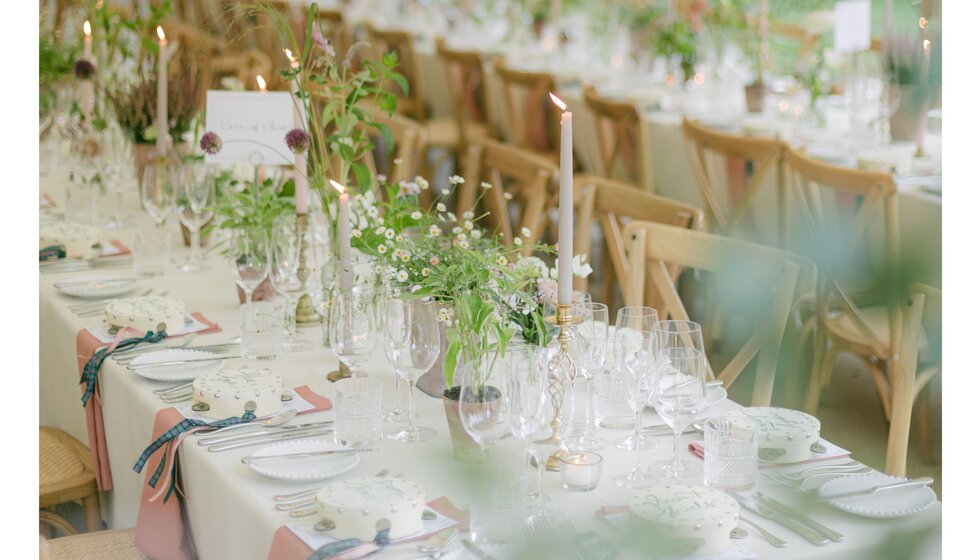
x=677 y=42
x=905 y=62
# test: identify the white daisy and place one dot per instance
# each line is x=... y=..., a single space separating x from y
x=389 y=233
x=441 y=207
x=526 y=232
x=445 y=192
x=476 y=234
x=468 y=225
x=425 y=272
x=416 y=215
x=421 y=182
x=402 y=276
x=399 y=238
x=382 y=249
x=485 y=185
x=518 y=241
x=434 y=260
x=356 y=233
x=502 y=260
x=456 y=180
x=434 y=230
x=468 y=215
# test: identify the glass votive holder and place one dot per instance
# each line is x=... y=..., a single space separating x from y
x=731 y=457
x=580 y=470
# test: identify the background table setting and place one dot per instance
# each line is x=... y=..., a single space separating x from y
x=355 y=347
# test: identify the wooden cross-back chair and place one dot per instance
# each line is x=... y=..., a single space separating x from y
x=781 y=277
x=467 y=84
x=403 y=44
x=518 y=178
x=613 y=203
x=621 y=142
x=923 y=315
x=728 y=206
x=404 y=160
x=838 y=205
x=531 y=118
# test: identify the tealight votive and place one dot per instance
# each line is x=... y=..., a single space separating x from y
x=580 y=470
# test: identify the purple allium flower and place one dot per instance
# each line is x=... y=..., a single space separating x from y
x=84 y=69
x=211 y=143
x=297 y=140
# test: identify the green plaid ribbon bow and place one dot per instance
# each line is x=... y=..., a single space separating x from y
x=167 y=438
x=331 y=549
x=90 y=373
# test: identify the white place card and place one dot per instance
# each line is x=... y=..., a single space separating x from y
x=852 y=26
x=252 y=126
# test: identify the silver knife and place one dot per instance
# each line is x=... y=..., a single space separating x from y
x=476 y=551
x=134 y=367
x=214 y=440
x=270 y=439
x=788 y=522
x=306 y=455
x=786 y=510
x=915 y=483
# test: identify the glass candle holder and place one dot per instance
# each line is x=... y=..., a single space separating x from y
x=580 y=470
x=730 y=454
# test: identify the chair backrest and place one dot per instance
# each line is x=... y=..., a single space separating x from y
x=747 y=165
x=838 y=205
x=518 y=179
x=531 y=118
x=622 y=146
x=467 y=83
x=613 y=204
x=403 y=160
x=244 y=65
x=761 y=273
x=403 y=44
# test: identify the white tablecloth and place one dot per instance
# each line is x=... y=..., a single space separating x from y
x=229 y=506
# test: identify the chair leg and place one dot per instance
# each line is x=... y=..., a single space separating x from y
x=903 y=394
x=93 y=517
x=886 y=392
x=925 y=427
x=823 y=365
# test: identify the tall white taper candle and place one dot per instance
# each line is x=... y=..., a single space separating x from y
x=566 y=217
x=163 y=127
x=343 y=236
x=88 y=100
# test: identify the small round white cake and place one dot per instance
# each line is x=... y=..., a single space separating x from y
x=78 y=239
x=357 y=506
x=785 y=435
x=228 y=392
x=699 y=519
x=146 y=313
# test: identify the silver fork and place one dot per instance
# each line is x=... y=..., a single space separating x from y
x=800 y=483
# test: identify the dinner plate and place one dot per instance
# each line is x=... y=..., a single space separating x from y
x=314 y=468
x=97 y=286
x=887 y=504
x=182 y=372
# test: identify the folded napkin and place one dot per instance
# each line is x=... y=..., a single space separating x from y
x=832 y=452
x=87 y=343
x=160 y=524
x=114 y=247
x=288 y=545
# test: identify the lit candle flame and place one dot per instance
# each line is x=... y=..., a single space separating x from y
x=340 y=188
x=922 y=22
x=261 y=81
x=87 y=28
x=561 y=104
x=161 y=34
x=926 y=43
x=289 y=55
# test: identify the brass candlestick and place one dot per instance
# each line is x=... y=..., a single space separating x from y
x=342 y=372
x=560 y=368
x=305 y=312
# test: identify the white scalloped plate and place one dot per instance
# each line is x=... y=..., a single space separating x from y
x=314 y=468
x=888 y=504
x=97 y=286
x=181 y=372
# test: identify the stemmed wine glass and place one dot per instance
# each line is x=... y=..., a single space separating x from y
x=634 y=327
x=589 y=343
x=195 y=207
x=679 y=389
x=351 y=326
x=527 y=388
x=251 y=260
x=116 y=170
x=638 y=373
x=412 y=344
x=285 y=264
x=158 y=190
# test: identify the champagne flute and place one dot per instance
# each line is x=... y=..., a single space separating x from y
x=195 y=207
x=250 y=258
x=634 y=329
x=589 y=343
x=158 y=190
x=352 y=326
x=638 y=374
x=285 y=264
x=679 y=390
x=412 y=344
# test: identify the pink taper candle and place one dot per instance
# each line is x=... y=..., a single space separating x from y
x=565 y=202
x=343 y=236
x=299 y=160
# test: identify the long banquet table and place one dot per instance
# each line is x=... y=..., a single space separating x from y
x=229 y=507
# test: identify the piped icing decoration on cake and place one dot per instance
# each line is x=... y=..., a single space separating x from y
x=357 y=506
x=77 y=239
x=782 y=429
x=688 y=512
x=229 y=391
x=147 y=313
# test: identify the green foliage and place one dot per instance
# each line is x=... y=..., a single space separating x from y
x=256 y=206
x=677 y=39
x=55 y=62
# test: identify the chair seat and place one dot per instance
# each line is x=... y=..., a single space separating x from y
x=842 y=326
x=119 y=544
x=58 y=461
x=444 y=132
x=66 y=471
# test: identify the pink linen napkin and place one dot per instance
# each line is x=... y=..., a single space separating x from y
x=160 y=525
x=287 y=546
x=86 y=344
x=120 y=248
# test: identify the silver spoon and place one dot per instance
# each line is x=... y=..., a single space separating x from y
x=271 y=422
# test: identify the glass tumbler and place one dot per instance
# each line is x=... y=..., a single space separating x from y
x=151 y=253
x=263 y=333
x=612 y=412
x=357 y=416
x=730 y=454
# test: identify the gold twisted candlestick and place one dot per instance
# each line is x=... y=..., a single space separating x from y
x=305 y=312
x=560 y=368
